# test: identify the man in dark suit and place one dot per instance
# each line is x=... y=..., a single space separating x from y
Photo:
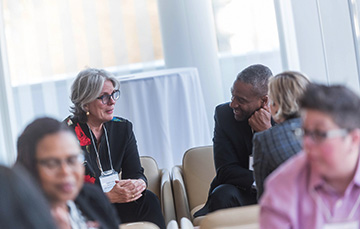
x=235 y=123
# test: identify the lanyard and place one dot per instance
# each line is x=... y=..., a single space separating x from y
x=320 y=202
x=97 y=153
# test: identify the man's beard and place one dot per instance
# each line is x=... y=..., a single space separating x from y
x=242 y=116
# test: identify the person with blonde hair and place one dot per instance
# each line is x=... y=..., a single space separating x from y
x=274 y=146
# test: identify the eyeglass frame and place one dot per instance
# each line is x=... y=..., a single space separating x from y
x=53 y=165
x=107 y=96
x=320 y=136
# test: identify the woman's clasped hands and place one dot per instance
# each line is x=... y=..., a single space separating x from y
x=125 y=191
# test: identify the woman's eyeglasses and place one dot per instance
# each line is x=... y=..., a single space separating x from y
x=53 y=165
x=106 y=97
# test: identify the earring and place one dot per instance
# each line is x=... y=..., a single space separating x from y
x=87 y=113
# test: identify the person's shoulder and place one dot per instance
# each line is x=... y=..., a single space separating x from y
x=286 y=185
x=70 y=121
x=293 y=123
x=288 y=173
x=120 y=121
x=275 y=131
x=263 y=134
x=223 y=107
x=224 y=111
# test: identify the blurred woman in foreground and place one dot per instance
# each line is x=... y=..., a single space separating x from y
x=51 y=154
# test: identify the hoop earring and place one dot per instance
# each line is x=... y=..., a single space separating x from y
x=87 y=113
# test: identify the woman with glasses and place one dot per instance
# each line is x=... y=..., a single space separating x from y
x=51 y=154
x=320 y=186
x=110 y=147
x=274 y=146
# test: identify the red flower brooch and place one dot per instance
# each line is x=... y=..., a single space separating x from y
x=84 y=140
x=89 y=179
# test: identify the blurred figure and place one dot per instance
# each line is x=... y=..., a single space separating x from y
x=22 y=204
x=51 y=154
x=319 y=187
x=110 y=146
x=274 y=146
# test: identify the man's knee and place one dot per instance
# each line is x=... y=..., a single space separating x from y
x=225 y=196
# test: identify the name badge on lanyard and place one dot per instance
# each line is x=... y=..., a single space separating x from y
x=251 y=162
x=107 y=180
x=342 y=225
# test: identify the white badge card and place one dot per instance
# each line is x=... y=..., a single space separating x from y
x=107 y=180
x=342 y=225
x=251 y=162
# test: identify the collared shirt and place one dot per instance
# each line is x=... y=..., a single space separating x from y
x=296 y=197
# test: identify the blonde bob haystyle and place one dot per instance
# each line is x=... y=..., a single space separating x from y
x=285 y=89
x=87 y=87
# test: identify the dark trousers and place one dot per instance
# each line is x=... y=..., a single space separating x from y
x=227 y=196
x=147 y=208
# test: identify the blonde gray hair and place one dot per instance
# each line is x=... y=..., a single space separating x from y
x=286 y=89
x=87 y=87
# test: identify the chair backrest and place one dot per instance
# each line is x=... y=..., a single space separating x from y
x=152 y=173
x=198 y=171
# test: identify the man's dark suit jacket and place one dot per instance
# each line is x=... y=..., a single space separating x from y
x=232 y=144
x=232 y=147
x=95 y=205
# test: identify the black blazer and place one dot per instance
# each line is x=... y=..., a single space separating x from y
x=272 y=147
x=232 y=147
x=95 y=205
x=123 y=149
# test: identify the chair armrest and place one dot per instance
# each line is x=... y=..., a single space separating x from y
x=172 y=225
x=180 y=196
x=185 y=223
x=232 y=218
x=138 y=225
x=167 y=199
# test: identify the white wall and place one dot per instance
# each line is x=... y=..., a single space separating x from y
x=325 y=41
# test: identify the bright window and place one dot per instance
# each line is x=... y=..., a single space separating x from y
x=50 y=39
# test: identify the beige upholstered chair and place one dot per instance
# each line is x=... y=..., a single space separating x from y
x=232 y=218
x=191 y=182
x=239 y=217
x=159 y=183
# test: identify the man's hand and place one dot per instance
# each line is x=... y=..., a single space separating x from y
x=261 y=119
x=126 y=191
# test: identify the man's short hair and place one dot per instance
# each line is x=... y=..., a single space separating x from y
x=256 y=75
x=338 y=101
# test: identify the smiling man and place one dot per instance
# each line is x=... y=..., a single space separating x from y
x=235 y=123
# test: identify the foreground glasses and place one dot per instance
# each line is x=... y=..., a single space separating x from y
x=53 y=165
x=106 y=97
x=319 y=136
